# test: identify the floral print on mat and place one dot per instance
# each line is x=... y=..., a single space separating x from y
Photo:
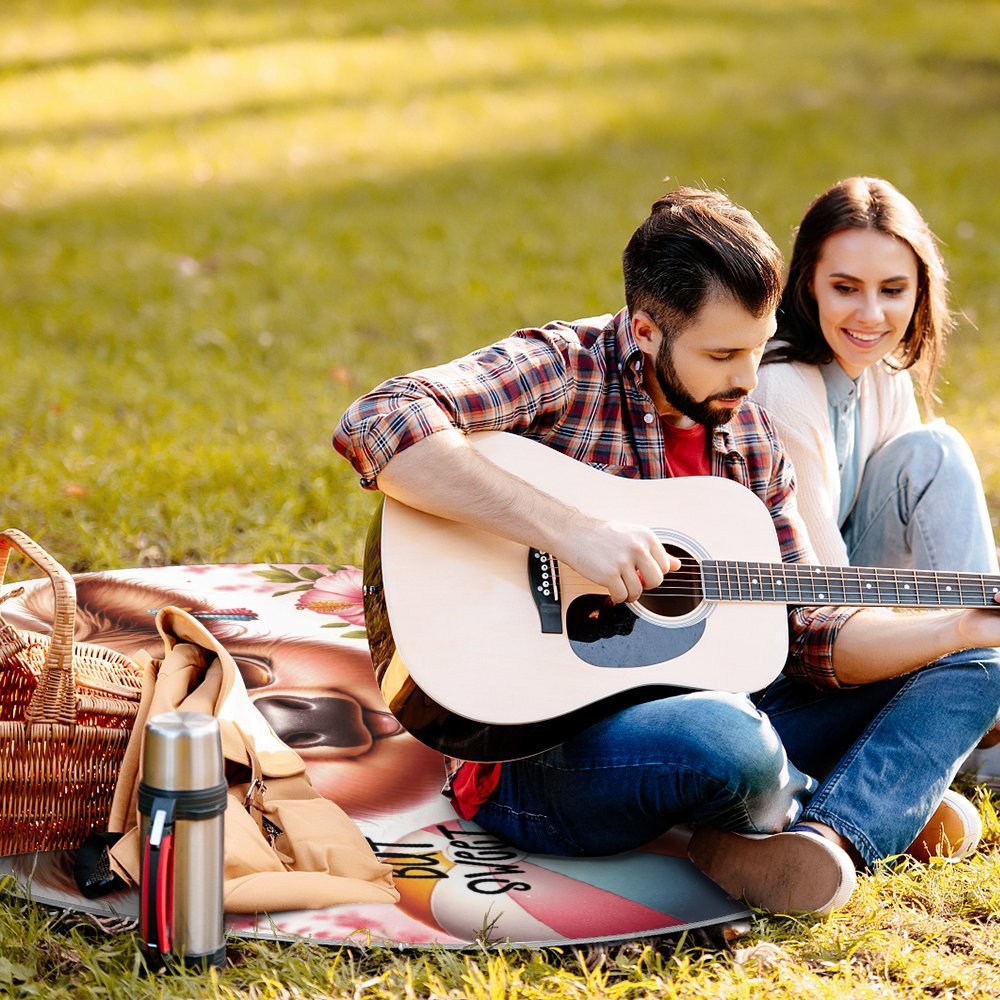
x=335 y=591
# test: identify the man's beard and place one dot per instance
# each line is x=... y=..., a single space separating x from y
x=680 y=399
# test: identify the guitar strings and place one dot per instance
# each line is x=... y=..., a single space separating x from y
x=690 y=581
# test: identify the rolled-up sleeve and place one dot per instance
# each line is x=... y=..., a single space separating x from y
x=517 y=383
x=382 y=423
x=811 y=631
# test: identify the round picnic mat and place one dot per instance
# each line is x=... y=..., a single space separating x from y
x=297 y=633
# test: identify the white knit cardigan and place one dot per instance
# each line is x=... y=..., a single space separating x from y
x=794 y=395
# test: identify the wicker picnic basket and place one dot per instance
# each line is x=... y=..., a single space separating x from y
x=66 y=711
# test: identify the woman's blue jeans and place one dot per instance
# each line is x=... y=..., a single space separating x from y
x=872 y=762
x=921 y=506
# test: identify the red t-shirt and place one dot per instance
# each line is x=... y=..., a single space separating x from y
x=686 y=450
x=686 y=455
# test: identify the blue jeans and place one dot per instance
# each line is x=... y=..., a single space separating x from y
x=885 y=752
x=872 y=761
x=921 y=506
x=708 y=757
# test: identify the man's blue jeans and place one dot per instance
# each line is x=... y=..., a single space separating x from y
x=872 y=762
x=695 y=756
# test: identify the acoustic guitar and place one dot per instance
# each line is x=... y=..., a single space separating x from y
x=485 y=649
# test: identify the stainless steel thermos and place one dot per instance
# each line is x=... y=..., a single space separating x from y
x=182 y=799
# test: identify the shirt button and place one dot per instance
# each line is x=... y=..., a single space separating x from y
x=648 y=418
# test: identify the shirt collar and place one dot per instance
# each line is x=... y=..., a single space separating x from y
x=722 y=439
x=630 y=356
x=840 y=387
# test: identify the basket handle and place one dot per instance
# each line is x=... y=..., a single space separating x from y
x=54 y=700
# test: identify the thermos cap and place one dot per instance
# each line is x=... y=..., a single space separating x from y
x=182 y=752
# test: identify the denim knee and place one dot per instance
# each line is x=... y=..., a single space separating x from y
x=707 y=757
x=973 y=675
x=740 y=740
x=761 y=791
x=923 y=454
x=959 y=698
x=920 y=505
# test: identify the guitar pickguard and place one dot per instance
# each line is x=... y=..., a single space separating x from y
x=612 y=635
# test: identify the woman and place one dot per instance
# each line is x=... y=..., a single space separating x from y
x=865 y=304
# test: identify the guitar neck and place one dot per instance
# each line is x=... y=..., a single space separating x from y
x=801 y=583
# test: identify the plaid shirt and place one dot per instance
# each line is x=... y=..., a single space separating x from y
x=577 y=387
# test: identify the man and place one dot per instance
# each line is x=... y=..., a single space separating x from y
x=860 y=739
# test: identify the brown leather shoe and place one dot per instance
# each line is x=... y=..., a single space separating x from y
x=953 y=832
x=788 y=872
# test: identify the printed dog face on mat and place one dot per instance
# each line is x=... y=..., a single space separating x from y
x=321 y=699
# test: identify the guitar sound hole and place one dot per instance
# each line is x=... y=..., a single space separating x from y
x=680 y=593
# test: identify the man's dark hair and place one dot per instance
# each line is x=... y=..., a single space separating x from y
x=694 y=244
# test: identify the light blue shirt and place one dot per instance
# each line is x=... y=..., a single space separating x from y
x=842 y=402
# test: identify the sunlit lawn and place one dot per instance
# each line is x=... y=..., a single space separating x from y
x=222 y=221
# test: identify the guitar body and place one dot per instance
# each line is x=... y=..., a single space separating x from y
x=475 y=663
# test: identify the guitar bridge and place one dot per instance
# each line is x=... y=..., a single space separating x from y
x=543 y=577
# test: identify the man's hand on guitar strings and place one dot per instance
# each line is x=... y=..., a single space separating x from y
x=622 y=557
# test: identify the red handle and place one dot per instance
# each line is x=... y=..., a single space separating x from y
x=156 y=898
x=165 y=893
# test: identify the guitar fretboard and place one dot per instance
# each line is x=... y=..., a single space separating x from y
x=800 y=583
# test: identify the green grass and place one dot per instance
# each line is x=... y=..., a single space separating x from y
x=221 y=221
x=910 y=932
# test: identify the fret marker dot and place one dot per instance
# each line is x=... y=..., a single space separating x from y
x=947 y=588
x=753 y=579
x=823 y=596
x=868 y=586
x=906 y=586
